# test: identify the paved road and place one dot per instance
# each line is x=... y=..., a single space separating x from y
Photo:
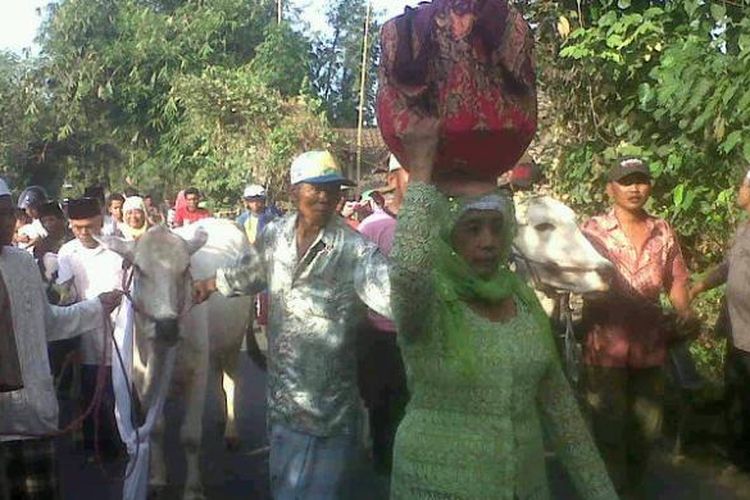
x=243 y=474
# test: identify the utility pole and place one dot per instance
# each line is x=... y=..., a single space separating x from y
x=362 y=80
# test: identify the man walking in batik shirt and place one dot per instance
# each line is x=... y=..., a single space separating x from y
x=320 y=274
x=626 y=346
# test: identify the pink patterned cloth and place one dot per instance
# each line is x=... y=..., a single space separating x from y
x=470 y=63
x=625 y=329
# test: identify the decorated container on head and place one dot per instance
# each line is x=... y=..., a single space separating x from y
x=469 y=63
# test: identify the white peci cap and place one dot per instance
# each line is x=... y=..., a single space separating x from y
x=254 y=191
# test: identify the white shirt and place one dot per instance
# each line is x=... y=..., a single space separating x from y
x=92 y=271
x=33 y=409
x=34 y=231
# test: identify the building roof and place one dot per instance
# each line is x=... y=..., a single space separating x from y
x=374 y=151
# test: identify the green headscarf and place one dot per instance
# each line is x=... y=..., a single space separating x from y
x=457 y=283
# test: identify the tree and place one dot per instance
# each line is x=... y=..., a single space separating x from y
x=105 y=101
x=236 y=129
x=282 y=60
x=337 y=63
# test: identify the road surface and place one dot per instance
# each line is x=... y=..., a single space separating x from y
x=242 y=474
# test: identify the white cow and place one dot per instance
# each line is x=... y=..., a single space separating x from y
x=229 y=319
x=555 y=256
x=555 y=251
x=164 y=265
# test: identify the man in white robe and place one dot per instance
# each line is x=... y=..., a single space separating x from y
x=29 y=415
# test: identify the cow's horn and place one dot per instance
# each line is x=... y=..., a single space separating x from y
x=124 y=248
x=197 y=241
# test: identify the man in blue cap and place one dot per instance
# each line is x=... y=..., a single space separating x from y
x=320 y=275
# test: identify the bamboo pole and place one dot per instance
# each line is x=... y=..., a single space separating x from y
x=362 y=80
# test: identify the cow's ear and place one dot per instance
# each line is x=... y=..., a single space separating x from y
x=124 y=248
x=200 y=237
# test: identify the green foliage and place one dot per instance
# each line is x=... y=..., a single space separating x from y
x=282 y=60
x=235 y=129
x=163 y=93
x=337 y=63
x=159 y=94
x=666 y=81
x=710 y=348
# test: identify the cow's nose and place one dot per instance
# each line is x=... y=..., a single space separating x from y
x=168 y=330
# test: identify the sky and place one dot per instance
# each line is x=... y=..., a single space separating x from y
x=20 y=19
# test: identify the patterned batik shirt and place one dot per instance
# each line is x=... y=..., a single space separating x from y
x=624 y=329
x=315 y=304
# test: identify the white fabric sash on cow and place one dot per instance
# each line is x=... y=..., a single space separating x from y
x=135 y=486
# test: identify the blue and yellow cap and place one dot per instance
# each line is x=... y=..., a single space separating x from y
x=317 y=167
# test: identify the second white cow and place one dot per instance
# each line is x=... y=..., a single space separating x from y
x=553 y=250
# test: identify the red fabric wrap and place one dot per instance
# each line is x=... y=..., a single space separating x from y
x=470 y=63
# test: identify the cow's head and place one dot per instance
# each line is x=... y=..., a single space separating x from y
x=162 y=283
x=552 y=245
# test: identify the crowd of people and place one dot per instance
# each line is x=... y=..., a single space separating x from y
x=77 y=279
x=454 y=357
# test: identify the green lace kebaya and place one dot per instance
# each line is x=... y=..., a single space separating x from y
x=481 y=391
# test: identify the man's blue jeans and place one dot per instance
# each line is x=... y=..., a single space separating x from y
x=303 y=466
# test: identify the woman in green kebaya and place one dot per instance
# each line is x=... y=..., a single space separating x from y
x=483 y=371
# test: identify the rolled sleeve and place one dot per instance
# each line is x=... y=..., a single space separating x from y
x=246 y=277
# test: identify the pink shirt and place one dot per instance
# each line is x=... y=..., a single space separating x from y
x=624 y=329
x=380 y=227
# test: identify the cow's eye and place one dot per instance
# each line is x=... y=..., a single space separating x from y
x=544 y=227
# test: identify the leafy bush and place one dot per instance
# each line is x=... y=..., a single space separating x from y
x=664 y=81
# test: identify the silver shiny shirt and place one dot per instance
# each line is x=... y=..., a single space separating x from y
x=316 y=302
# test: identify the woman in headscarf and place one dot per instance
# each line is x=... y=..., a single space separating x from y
x=483 y=372
x=135 y=222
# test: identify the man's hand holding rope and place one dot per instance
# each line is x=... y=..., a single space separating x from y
x=110 y=300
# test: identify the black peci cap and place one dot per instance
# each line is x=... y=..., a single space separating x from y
x=83 y=208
